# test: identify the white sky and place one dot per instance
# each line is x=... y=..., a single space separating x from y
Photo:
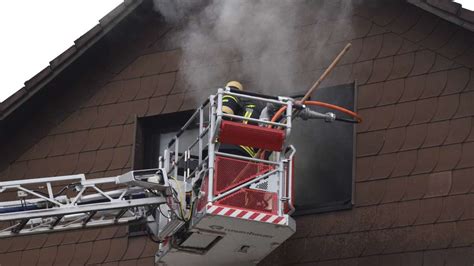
x=34 y=32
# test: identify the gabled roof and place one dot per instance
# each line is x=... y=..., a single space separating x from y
x=66 y=58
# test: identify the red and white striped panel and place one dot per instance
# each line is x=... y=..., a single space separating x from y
x=246 y=214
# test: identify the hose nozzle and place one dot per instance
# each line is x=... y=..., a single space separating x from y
x=307 y=113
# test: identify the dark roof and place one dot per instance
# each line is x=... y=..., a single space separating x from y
x=448 y=10
x=66 y=58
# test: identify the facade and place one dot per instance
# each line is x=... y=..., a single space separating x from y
x=414 y=162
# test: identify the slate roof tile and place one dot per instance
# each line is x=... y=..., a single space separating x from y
x=150 y=249
x=462 y=181
x=165 y=83
x=402 y=65
x=399 y=240
x=36 y=241
x=425 y=110
x=456 y=45
x=103 y=160
x=453 y=208
x=173 y=103
x=54 y=240
x=105 y=115
x=67 y=164
x=459 y=130
x=427 y=160
x=95 y=138
x=82 y=253
x=467 y=156
x=391 y=45
x=85 y=162
x=447 y=107
x=100 y=250
x=145 y=261
x=386 y=215
x=417 y=186
x=121 y=157
x=63 y=256
x=377 y=241
x=371 y=47
x=156 y=105
x=384 y=165
x=135 y=248
x=441 y=35
x=424 y=61
x=369 y=95
x=382 y=117
x=364 y=168
x=342 y=222
x=435 y=84
x=363 y=218
x=118 y=246
x=122 y=112
x=457 y=80
x=419 y=237
x=405 y=163
x=89 y=235
x=59 y=145
x=76 y=141
x=394 y=139
x=18 y=170
x=414 y=87
x=370 y=143
x=71 y=237
x=112 y=137
x=323 y=225
x=395 y=191
x=464 y=235
x=12 y=258
x=442 y=63
x=171 y=59
x=381 y=69
x=437 y=133
x=408 y=212
x=448 y=157
x=406 y=20
x=460 y=256
x=127 y=137
x=408 y=47
x=467 y=58
x=361 y=71
x=423 y=27
x=19 y=243
x=443 y=235
x=415 y=136
x=148 y=85
x=130 y=89
x=113 y=91
x=469 y=208
x=392 y=91
x=47 y=255
x=370 y=193
x=439 y=184
x=297 y=248
x=434 y=257
x=466 y=106
x=430 y=210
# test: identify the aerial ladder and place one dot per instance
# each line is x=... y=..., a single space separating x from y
x=203 y=205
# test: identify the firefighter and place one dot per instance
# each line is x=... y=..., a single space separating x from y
x=243 y=107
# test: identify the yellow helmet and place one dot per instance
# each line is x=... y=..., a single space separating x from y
x=235 y=84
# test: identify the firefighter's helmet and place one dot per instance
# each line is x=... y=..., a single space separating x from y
x=235 y=84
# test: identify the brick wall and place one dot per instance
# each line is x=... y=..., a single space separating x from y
x=414 y=189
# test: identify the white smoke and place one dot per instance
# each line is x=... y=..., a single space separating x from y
x=255 y=42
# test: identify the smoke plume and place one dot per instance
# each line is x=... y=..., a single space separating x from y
x=265 y=44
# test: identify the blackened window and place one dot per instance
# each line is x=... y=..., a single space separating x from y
x=153 y=134
x=324 y=163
